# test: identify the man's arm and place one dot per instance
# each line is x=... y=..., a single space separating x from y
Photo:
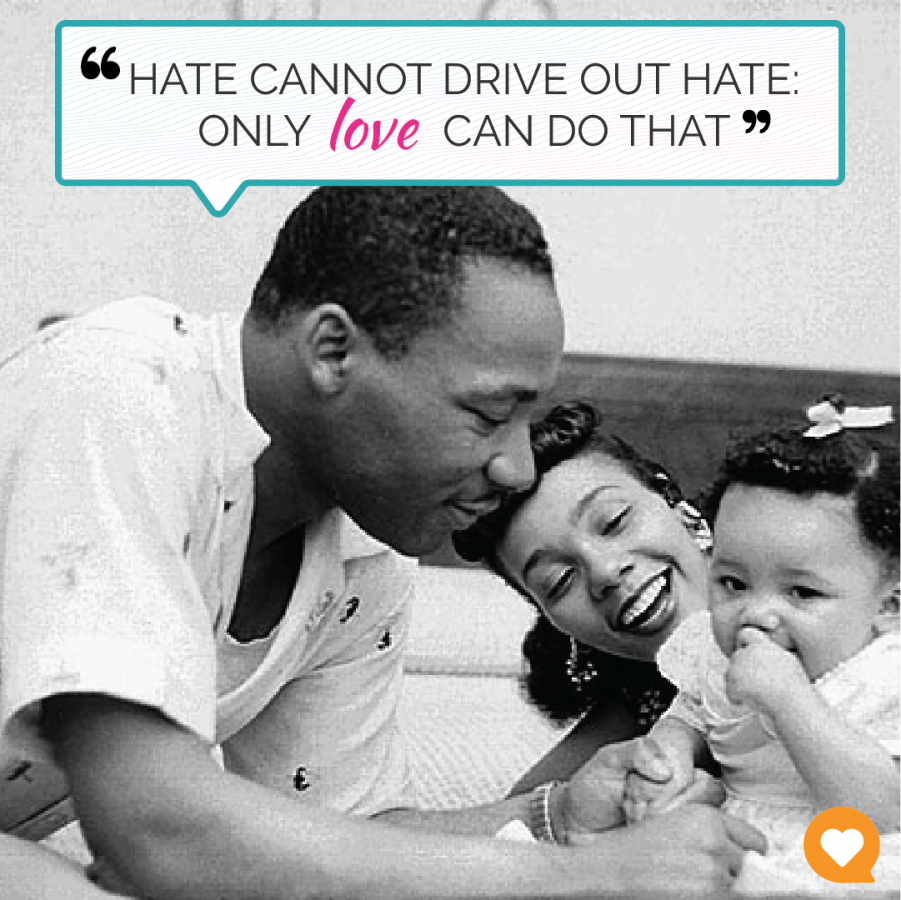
x=29 y=871
x=157 y=809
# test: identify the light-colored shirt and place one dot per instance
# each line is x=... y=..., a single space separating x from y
x=126 y=496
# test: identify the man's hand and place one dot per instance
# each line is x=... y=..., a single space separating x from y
x=596 y=797
x=694 y=851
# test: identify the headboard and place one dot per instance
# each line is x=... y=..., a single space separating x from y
x=685 y=414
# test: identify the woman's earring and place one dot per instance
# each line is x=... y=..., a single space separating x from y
x=696 y=524
x=581 y=671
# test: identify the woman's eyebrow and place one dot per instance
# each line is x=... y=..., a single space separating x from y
x=583 y=504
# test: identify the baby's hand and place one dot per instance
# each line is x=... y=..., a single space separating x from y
x=646 y=791
x=762 y=673
x=703 y=789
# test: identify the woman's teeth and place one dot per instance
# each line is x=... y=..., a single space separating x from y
x=644 y=601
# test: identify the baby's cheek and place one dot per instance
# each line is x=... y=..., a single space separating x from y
x=723 y=629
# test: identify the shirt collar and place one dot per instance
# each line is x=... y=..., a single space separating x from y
x=356 y=543
x=348 y=542
x=246 y=437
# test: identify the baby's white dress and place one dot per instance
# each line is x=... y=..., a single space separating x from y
x=762 y=785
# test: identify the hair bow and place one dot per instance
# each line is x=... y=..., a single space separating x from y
x=828 y=419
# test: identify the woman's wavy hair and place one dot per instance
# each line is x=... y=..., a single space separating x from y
x=568 y=431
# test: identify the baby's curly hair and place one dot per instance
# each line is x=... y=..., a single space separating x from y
x=568 y=431
x=853 y=463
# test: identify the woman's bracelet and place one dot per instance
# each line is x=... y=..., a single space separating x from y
x=540 y=821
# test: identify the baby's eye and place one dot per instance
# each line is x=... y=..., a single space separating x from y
x=805 y=593
x=731 y=584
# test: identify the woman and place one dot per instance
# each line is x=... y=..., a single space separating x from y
x=613 y=558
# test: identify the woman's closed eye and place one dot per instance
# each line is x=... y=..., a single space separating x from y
x=611 y=524
x=489 y=421
x=558 y=584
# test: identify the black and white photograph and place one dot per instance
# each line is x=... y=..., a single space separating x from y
x=450 y=540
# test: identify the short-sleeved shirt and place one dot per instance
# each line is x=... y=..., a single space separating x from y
x=126 y=496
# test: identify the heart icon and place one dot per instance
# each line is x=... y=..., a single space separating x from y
x=842 y=846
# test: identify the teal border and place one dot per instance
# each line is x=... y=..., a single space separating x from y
x=431 y=23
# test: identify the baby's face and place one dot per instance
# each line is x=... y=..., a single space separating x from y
x=798 y=569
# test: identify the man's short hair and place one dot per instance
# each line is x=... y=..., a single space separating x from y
x=392 y=256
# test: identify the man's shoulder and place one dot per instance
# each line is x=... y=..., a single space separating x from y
x=141 y=325
x=139 y=329
x=136 y=370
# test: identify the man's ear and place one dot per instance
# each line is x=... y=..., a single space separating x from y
x=887 y=619
x=330 y=340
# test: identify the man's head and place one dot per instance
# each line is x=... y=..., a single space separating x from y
x=409 y=333
x=392 y=256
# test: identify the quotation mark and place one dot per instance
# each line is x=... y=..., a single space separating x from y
x=752 y=118
x=107 y=67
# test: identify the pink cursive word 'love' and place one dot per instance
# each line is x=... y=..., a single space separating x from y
x=408 y=129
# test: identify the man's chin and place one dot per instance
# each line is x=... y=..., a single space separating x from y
x=418 y=545
x=416 y=536
x=409 y=542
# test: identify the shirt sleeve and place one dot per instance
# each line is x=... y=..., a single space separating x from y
x=865 y=690
x=687 y=709
x=98 y=595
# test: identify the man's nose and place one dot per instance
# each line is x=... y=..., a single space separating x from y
x=512 y=466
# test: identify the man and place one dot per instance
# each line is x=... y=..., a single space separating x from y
x=185 y=508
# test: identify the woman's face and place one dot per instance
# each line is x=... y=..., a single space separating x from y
x=607 y=560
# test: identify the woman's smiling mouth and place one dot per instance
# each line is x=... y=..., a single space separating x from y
x=650 y=608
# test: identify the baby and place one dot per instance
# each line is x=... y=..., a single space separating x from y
x=791 y=680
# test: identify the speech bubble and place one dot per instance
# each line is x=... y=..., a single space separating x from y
x=842 y=845
x=223 y=105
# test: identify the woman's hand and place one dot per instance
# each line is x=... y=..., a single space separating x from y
x=593 y=798
x=596 y=797
x=762 y=673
